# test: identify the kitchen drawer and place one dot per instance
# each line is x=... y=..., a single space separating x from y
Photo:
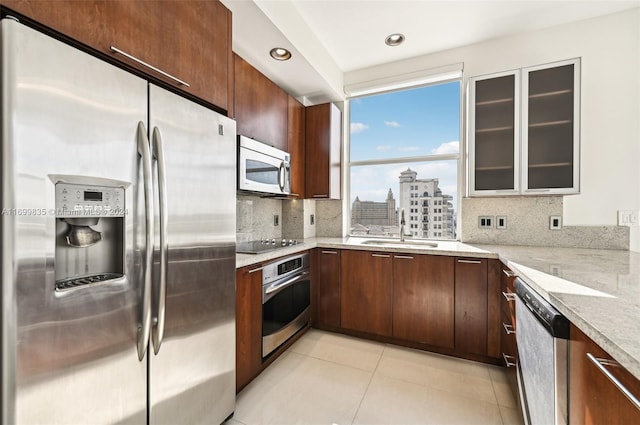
x=508 y=337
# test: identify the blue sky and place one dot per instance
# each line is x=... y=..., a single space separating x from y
x=415 y=122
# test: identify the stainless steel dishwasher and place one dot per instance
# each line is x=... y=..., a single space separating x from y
x=542 y=338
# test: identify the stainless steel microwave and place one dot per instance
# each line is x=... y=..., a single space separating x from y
x=263 y=168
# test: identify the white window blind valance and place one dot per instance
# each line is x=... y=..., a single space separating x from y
x=425 y=77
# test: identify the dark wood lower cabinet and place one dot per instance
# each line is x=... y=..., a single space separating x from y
x=423 y=299
x=327 y=283
x=593 y=398
x=471 y=305
x=248 y=324
x=366 y=292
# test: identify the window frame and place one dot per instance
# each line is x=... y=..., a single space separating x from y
x=458 y=157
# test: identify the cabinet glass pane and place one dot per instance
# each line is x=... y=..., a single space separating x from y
x=494 y=133
x=550 y=128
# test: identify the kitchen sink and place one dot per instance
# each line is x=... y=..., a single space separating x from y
x=397 y=242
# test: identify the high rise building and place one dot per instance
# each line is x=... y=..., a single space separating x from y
x=428 y=212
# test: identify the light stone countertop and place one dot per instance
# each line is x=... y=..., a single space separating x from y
x=598 y=290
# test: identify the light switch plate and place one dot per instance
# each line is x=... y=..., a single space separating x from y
x=627 y=218
x=501 y=222
x=555 y=222
x=276 y=220
x=485 y=222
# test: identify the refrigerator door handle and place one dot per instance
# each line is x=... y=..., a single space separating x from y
x=157 y=333
x=144 y=328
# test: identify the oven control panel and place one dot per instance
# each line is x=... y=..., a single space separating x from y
x=285 y=267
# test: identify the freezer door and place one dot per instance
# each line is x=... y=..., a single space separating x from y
x=67 y=357
x=192 y=376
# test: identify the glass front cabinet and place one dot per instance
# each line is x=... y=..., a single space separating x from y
x=524 y=131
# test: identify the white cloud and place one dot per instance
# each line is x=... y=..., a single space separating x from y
x=445 y=148
x=358 y=127
x=392 y=123
x=408 y=148
x=383 y=148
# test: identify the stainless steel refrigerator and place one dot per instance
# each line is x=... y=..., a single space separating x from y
x=118 y=244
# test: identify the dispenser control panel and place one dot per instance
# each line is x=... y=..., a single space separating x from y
x=77 y=200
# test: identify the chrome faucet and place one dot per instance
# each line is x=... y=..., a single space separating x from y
x=402 y=224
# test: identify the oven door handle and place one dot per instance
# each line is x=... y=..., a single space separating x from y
x=278 y=286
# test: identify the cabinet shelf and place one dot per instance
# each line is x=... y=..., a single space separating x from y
x=551 y=165
x=550 y=123
x=495 y=168
x=493 y=129
x=495 y=101
x=551 y=93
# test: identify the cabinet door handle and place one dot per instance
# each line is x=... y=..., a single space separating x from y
x=600 y=364
x=470 y=261
x=320 y=196
x=510 y=296
x=509 y=361
x=380 y=255
x=151 y=67
x=255 y=270
x=330 y=252
x=509 y=273
x=404 y=257
x=508 y=328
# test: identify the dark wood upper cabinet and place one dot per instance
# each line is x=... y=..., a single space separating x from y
x=366 y=292
x=189 y=40
x=471 y=310
x=296 y=146
x=323 y=150
x=261 y=107
x=423 y=299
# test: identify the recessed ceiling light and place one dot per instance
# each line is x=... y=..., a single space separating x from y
x=280 y=54
x=394 y=39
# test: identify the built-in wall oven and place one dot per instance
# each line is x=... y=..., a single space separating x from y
x=286 y=300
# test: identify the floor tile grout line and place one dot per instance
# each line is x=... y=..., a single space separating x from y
x=355 y=415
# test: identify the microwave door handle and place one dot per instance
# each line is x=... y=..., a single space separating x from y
x=157 y=334
x=281 y=176
x=276 y=287
x=144 y=328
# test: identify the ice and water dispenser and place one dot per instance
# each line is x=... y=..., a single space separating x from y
x=90 y=225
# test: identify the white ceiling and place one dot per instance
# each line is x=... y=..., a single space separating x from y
x=331 y=37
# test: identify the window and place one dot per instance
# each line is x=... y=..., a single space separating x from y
x=404 y=152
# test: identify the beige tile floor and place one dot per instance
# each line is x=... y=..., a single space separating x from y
x=327 y=378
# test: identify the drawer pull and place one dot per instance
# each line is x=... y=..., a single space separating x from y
x=509 y=361
x=404 y=257
x=508 y=328
x=470 y=261
x=380 y=255
x=255 y=270
x=320 y=196
x=509 y=296
x=330 y=252
x=600 y=364
x=509 y=273
x=151 y=67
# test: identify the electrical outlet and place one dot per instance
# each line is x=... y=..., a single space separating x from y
x=276 y=220
x=501 y=222
x=555 y=222
x=485 y=221
x=627 y=218
x=313 y=219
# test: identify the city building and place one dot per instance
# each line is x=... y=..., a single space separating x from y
x=428 y=212
x=374 y=218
